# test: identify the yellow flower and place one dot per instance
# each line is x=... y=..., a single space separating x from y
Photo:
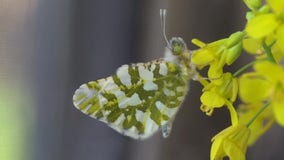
x=231 y=142
x=217 y=54
x=260 y=125
x=266 y=84
x=267 y=24
x=208 y=55
x=254 y=47
x=218 y=93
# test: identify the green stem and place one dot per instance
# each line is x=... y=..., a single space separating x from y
x=245 y=67
x=268 y=52
x=258 y=113
x=270 y=57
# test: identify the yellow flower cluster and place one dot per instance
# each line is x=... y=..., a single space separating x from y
x=261 y=90
x=263 y=87
x=217 y=54
x=221 y=89
x=265 y=25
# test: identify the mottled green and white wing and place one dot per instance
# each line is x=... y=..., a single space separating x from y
x=138 y=100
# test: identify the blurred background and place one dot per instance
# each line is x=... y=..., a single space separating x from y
x=48 y=48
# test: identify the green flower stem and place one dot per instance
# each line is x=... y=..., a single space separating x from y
x=258 y=113
x=268 y=51
x=245 y=67
x=269 y=54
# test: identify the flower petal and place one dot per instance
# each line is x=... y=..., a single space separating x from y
x=198 y=42
x=231 y=142
x=280 y=37
x=252 y=46
x=216 y=149
x=253 y=88
x=236 y=144
x=271 y=71
x=233 y=152
x=212 y=99
x=278 y=107
x=261 y=26
x=235 y=89
x=276 y=5
x=215 y=70
x=202 y=57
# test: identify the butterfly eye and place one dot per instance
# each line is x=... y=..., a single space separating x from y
x=178 y=45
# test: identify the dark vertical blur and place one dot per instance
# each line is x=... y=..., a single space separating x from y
x=48 y=48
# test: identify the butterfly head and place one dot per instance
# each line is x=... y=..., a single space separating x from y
x=177 y=46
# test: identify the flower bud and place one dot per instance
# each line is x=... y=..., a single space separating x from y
x=233 y=53
x=253 y=4
x=234 y=39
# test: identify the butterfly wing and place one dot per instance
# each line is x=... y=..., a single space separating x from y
x=137 y=100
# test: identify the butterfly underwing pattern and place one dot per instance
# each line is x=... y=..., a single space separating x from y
x=142 y=98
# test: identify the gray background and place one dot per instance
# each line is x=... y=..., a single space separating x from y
x=50 y=47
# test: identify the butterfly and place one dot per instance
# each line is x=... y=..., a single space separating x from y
x=142 y=98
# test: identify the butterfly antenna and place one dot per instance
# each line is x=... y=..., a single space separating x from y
x=163 y=15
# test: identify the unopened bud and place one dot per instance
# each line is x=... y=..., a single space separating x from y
x=233 y=53
x=234 y=39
